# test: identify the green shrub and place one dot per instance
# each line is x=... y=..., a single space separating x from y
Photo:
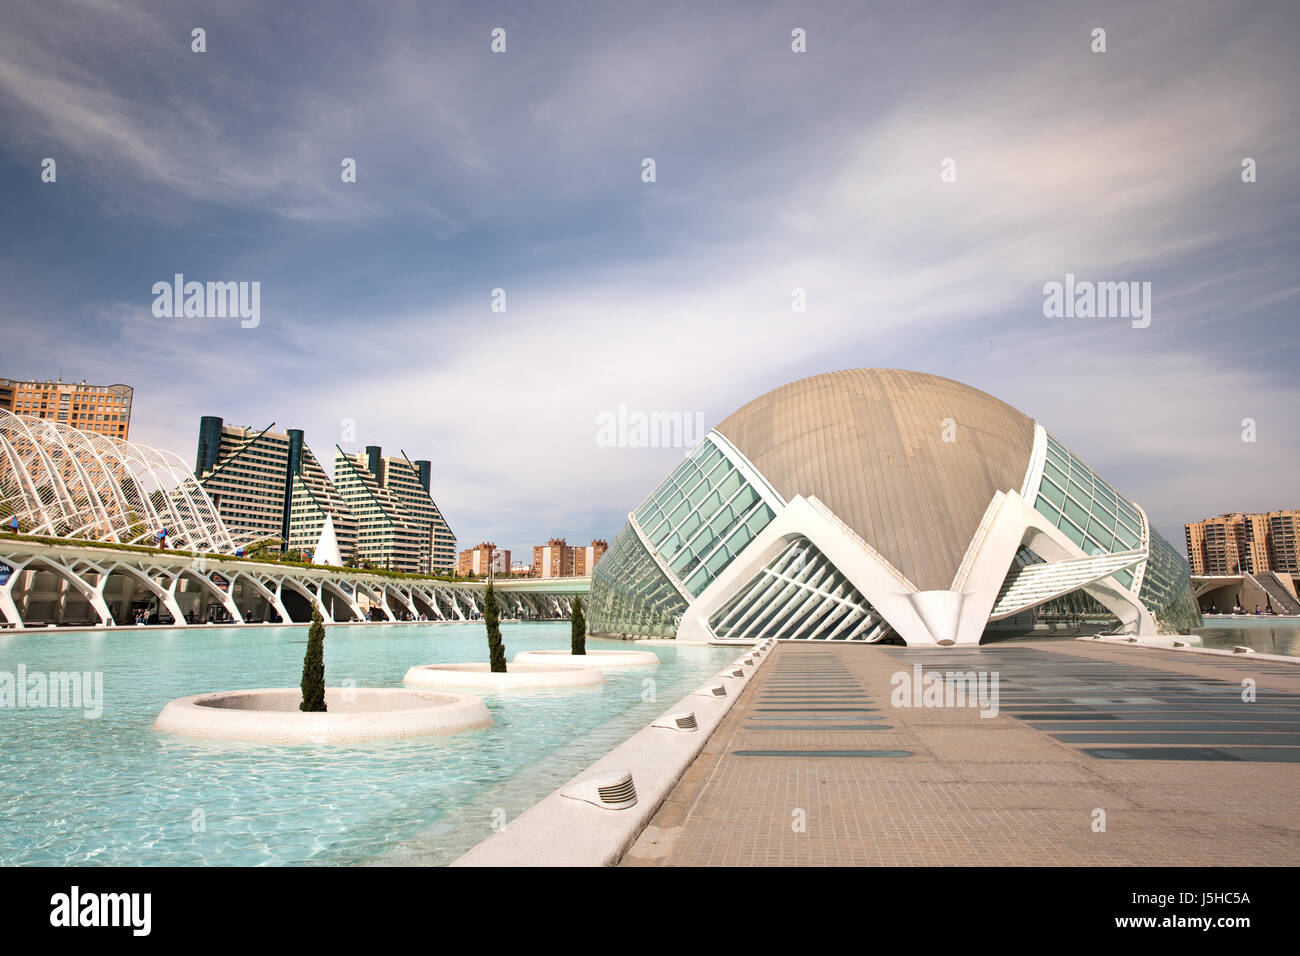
x=492 y=618
x=313 y=667
x=577 y=628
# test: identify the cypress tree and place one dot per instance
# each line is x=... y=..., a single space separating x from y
x=577 y=628
x=313 y=667
x=492 y=618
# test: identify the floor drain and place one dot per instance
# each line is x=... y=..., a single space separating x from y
x=814 y=710
x=822 y=753
x=1160 y=753
x=831 y=716
x=820 y=727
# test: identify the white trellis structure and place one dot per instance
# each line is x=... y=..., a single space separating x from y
x=60 y=481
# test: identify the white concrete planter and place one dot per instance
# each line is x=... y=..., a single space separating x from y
x=521 y=676
x=271 y=715
x=605 y=660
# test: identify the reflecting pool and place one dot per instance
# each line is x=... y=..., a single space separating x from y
x=1267 y=635
x=77 y=791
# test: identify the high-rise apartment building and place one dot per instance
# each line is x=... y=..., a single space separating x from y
x=267 y=485
x=246 y=473
x=1283 y=530
x=399 y=526
x=1244 y=543
x=313 y=498
x=485 y=557
x=93 y=408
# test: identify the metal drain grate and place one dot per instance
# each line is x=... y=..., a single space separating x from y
x=814 y=710
x=820 y=727
x=624 y=791
x=612 y=791
x=681 y=720
x=822 y=753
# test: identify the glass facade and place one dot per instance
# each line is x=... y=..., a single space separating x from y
x=630 y=596
x=1086 y=507
x=1167 y=588
x=702 y=516
x=799 y=596
x=1096 y=517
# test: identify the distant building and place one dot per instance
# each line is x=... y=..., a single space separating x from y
x=399 y=526
x=1244 y=543
x=478 y=560
x=267 y=485
x=556 y=559
x=313 y=497
x=553 y=559
x=585 y=558
x=1283 y=530
x=521 y=570
x=246 y=473
x=105 y=409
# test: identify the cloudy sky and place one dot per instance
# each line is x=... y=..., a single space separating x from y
x=774 y=170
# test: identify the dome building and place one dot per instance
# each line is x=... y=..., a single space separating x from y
x=877 y=503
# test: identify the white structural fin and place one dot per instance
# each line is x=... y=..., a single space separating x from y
x=327 y=548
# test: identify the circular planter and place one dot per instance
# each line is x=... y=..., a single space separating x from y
x=271 y=715
x=605 y=660
x=522 y=675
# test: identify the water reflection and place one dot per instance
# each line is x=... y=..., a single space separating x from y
x=1267 y=635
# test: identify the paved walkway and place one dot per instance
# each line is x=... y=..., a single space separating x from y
x=1187 y=774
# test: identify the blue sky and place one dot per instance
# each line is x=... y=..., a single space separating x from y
x=775 y=171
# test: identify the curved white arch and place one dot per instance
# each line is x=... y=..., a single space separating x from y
x=64 y=482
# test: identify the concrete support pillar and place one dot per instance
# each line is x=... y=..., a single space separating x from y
x=8 y=606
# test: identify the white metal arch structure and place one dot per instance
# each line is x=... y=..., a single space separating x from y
x=59 y=481
x=429 y=598
x=105 y=465
x=30 y=484
x=78 y=584
x=109 y=497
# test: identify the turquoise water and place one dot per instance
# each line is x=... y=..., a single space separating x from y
x=111 y=791
x=1266 y=635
